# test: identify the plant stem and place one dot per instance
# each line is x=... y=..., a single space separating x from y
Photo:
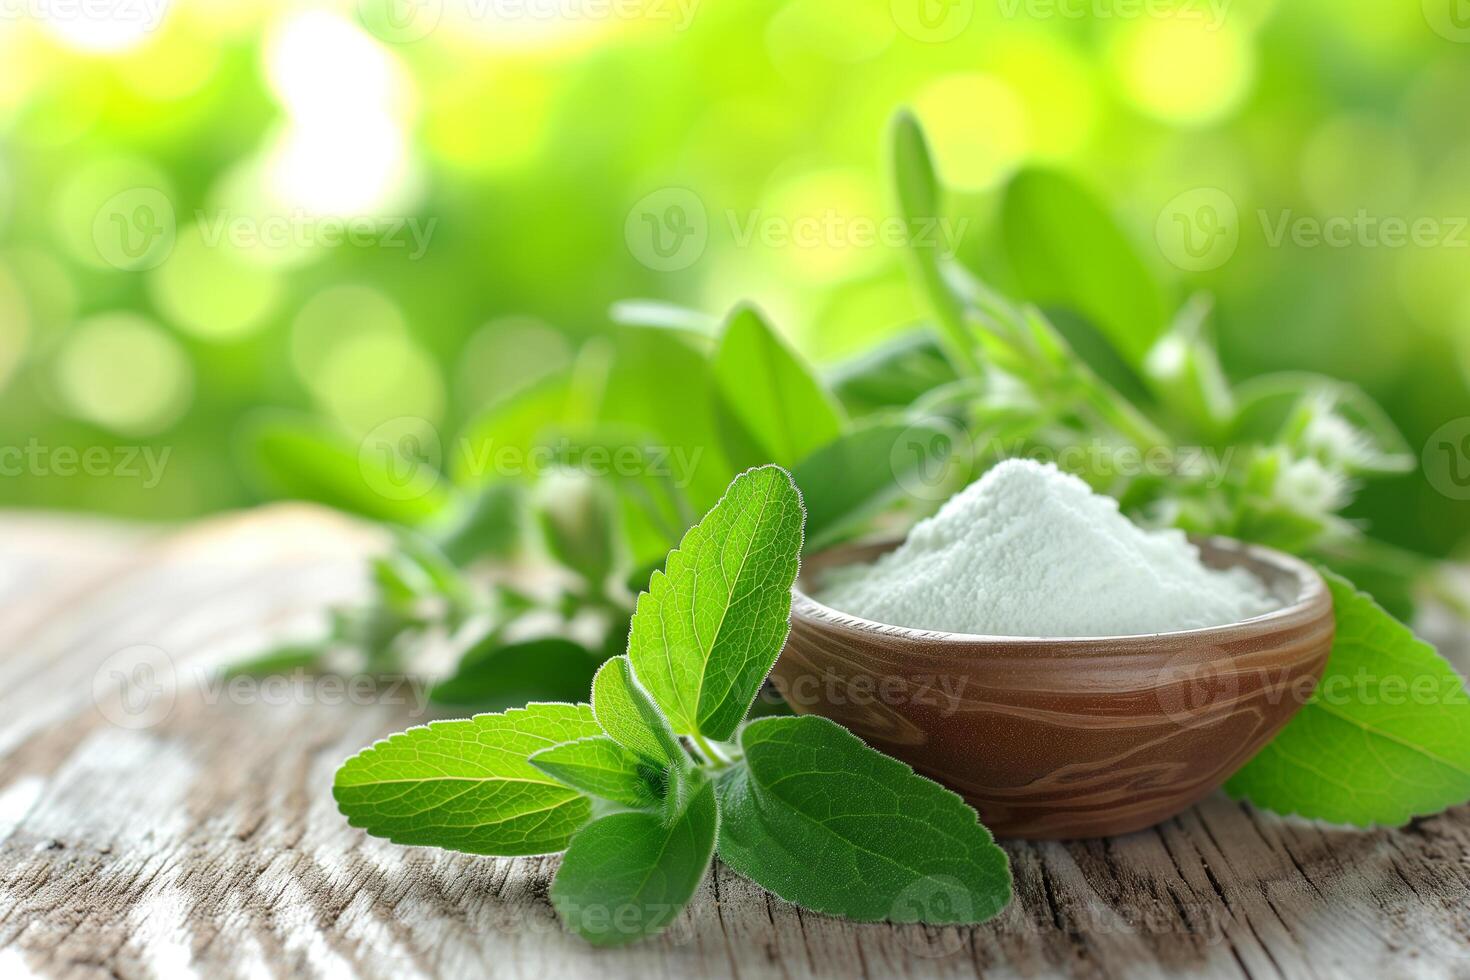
x=711 y=755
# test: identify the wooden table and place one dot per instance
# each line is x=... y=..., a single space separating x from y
x=190 y=831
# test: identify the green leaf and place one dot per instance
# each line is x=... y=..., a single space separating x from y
x=708 y=630
x=485 y=524
x=282 y=660
x=304 y=459
x=855 y=476
x=1384 y=738
x=667 y=316
x=628 y=875
x=498 y=442
x=892 y=375
x=494 y=675
x=1066 y=249
x=659 y=381
x=770 y=395
x=466 y=785
x=627 y=713
x=828 y=823
x=918 y=191
x=600 y=767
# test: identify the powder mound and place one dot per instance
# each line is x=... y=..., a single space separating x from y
x=1028 y=550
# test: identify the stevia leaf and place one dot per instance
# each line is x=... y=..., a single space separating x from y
x=856 y=475
x=770 y=396
x=628 y=875
x=893 y=375
x=466 y=785
x=828 y=823
x=1384 y=738
x=668 y=316
x=1066 y=249
x=629 y=716
x=919 y=200
x=708 y=630
x=495 y=675
x=600 y=767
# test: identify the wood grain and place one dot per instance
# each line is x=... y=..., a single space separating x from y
x=206 y=843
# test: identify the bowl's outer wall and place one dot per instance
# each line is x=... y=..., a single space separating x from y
x=1067 y=738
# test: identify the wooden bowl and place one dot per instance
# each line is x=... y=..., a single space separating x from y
x=1074 y=737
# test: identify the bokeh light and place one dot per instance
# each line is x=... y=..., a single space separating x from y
x=125 y=373
x=975 y=157
x=1184 y=70
x=189 y=175
x=209 y=289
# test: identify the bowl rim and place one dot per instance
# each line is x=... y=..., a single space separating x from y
x=1312 y=601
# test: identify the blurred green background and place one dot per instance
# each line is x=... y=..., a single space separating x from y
x=374 y=210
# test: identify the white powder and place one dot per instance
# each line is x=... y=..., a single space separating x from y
x=1028 y=550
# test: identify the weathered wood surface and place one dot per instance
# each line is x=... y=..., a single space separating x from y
x=202 y=839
